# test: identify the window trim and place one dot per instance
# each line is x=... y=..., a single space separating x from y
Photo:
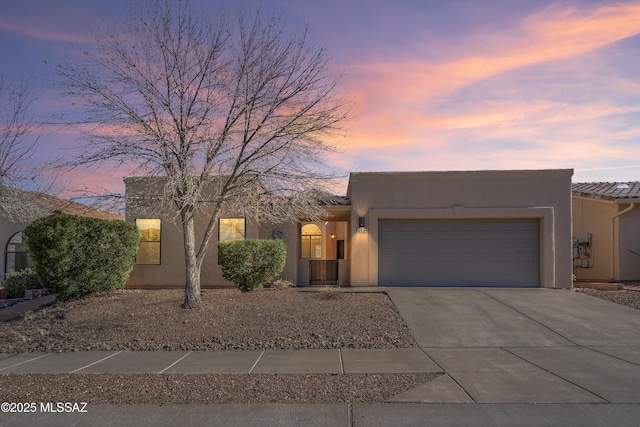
x=6 y=252
x=244 y=231
x=159 y=242
x=309 y=237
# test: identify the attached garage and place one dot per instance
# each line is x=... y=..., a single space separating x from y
x=486 y=252
x=461 y=228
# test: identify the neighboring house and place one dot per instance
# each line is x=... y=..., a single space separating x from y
x=472 y=228
x=606 y=231
x=16 y=253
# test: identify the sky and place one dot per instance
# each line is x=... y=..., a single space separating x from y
x=437 y=85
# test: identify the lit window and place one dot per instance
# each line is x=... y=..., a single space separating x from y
x=231 y=229
x=149 y=247
x=311 y=241
x=17 y=254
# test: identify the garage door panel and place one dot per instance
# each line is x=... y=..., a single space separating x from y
x=459 y=253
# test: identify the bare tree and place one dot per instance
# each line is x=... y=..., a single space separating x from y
x=19 y=133
x=229 y=116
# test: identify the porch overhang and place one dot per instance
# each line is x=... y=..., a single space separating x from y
x=338 y=213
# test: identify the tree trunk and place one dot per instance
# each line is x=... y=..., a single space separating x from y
x=192 y=263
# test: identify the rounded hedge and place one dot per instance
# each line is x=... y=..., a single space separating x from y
x=17 y=282
x=250 y=263
x=75 y=256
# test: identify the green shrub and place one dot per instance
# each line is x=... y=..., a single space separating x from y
x=76 y=256
x=249 y=263
x=19 y=281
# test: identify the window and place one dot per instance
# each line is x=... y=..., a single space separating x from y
x=231 y=229
x=149 y=247
x=311 y=241
x=17 y=254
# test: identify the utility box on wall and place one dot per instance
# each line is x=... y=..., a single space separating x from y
x=584 y=239
x=582 y=252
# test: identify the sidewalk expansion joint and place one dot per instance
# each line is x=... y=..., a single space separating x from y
x=527 y=316
x=610 y=355
x=341 y=361
x=556 y=375
x=26 y=361
x=177 y=361
x=97 y=361
x=461 y=388
x=442 y=370
x=256 y=363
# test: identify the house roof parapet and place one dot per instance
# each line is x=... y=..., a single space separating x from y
x=469 y=174
x=449 y=174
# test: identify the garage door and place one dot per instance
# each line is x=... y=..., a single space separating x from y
x=459 y=253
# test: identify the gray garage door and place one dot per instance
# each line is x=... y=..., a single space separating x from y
x=459 y=253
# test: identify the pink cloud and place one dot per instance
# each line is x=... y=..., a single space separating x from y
x=39 y=32
x=536 y=113
x=392 y=96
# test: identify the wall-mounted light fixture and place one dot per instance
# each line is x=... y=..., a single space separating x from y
x=333 y=236
x=361 y=228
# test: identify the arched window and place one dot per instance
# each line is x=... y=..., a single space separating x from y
x=17 y=254
x=311 y=241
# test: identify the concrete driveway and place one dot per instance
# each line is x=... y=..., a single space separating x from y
x=525 y=345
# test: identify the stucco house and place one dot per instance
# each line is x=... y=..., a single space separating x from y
x=16 y=252
x=470 y=228
x=606 y=231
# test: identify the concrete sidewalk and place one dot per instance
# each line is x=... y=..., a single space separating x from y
x=557 y=375
x=338 y=361
x=368 y=415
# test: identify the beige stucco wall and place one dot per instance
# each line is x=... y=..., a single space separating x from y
x=594 y=216
x=611 y=259
x=171 y=271
x=545 y=195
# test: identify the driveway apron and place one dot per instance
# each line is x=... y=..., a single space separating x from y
x=439 y=317
x=527 y=345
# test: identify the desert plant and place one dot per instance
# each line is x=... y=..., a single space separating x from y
x=17 y=282
x=282 y=284
x=249 y=263
x=76 y=256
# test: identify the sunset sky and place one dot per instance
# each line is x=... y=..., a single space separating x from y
x=437 y=85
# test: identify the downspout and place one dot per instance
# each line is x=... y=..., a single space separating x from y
x=613 y=237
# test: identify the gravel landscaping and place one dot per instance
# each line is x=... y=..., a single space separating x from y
x=228 y=319
x=207 y=388
x=622 y=297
